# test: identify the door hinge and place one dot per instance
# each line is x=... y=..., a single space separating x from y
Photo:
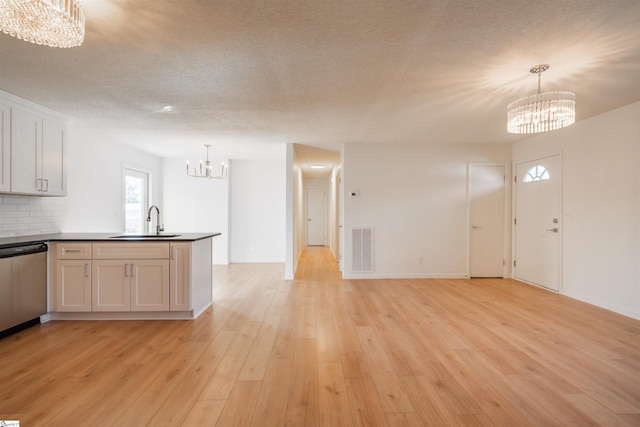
x=515 y=222
x=515 y=178
x=514 y=262
x=504 y=263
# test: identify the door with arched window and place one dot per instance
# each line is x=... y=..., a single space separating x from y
x=538 y=222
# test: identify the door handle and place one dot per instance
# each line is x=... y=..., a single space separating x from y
x=476 y=227
x=554 y=229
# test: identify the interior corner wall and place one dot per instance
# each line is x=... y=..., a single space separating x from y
x=334 y=209
x=197 y=205
x=415 y=198
x=258 y=209
x=94 y=181
x=299 y=213
x=601 y=206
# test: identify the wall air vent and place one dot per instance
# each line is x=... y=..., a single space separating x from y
x=362 y=250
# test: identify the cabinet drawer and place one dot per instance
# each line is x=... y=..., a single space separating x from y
x=73 y=250
x=119 y=250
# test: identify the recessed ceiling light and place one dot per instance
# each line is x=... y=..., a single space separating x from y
x=318 y=166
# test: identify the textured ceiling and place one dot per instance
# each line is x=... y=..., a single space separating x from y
x=243 y=75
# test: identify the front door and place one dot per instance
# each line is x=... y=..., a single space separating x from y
x=316 y=216
x=538 y=227
x=486 y=220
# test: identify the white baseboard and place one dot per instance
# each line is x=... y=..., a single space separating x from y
x=625 y=311
x=403 y=276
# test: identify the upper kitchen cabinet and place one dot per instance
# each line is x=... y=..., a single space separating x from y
x=37 y=153
x=5 y=147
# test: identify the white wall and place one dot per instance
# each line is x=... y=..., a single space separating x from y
x=291 y=171
x=415 y=197
x=601 y=206
x=197 y=205
x=258 y=209
x=334 y=209
x=94 y=177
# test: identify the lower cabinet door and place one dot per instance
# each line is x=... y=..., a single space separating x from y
x=111 y=285
x=73 y=285
x=150 y=285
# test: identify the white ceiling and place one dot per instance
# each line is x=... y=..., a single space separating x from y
x=244 y=75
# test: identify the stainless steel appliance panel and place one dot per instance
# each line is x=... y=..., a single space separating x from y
x=23 y=284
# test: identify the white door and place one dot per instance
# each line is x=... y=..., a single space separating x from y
x=537 y=222
x=316 y=216
x=486 y=220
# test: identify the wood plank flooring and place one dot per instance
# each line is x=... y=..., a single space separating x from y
x=322 y=351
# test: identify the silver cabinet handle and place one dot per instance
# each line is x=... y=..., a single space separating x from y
x=554 y=229
x=87 y=272
x=126 y=270
x=72 y=251
x=46 y=189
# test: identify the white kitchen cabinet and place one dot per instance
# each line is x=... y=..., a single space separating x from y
x=26 y=147
x=180 y=283
x=5 y=147
x=37 y=153
x=54 y=133
x=73 y=285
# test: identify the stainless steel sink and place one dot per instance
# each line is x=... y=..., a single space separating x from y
x=144 y=236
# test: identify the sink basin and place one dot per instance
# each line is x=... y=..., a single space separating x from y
x=144 y=236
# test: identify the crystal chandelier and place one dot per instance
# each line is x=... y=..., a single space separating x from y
x=542 y=112
x=205 y=170
x=55 y=23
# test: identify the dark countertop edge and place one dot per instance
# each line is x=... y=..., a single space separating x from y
x=96 y=237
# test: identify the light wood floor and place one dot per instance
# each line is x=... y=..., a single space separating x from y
x=323 y=351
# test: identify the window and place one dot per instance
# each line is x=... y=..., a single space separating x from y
x=135 y=200
x=536 y=173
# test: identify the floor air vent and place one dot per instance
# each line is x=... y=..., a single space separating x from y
x=362 y=250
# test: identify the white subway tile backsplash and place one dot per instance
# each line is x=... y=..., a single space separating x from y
x=23 y=215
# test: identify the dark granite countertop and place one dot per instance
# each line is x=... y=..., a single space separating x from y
x=105 y=237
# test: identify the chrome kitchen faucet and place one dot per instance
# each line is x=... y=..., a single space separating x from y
x=159 y=227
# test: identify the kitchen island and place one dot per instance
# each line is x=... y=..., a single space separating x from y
x=117 y=276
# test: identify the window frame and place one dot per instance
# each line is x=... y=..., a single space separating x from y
x=145 y=174
x=530 y=177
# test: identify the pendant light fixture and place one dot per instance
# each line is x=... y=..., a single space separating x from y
x=206 y=170
x=55 y=23
x=542 y=112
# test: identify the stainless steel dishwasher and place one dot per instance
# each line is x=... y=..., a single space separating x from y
x=23 y=286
